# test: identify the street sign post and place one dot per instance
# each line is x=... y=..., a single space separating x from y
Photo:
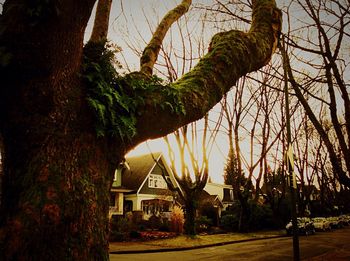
x=290 y=163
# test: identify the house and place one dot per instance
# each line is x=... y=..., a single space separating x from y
x=142 y=188
x=139 y=187
x=310 y=192
x=116 y=205
x=210 y=206
x=224 y=193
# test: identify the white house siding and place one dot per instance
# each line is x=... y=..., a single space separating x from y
x=216 y=189
x=117 y=207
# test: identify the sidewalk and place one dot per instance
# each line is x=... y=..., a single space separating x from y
x=184 y=243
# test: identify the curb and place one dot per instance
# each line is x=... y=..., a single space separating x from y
x=174 y=249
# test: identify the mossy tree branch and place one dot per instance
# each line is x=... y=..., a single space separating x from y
x=231 y=55
x=150 y=53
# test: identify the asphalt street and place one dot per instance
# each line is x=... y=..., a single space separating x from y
x=332 y=246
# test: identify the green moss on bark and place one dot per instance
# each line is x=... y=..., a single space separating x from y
x=116 y=100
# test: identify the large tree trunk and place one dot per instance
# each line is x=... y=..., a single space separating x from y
x=56 y=201
x=57 y=172
x=190 y=217
x=56 y=184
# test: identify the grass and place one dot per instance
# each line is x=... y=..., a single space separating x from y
x=185 y=241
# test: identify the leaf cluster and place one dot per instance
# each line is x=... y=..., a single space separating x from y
x=106 y=97
x=165 y=96
x=117 y=100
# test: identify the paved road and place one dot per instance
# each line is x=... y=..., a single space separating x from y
x=325 y=246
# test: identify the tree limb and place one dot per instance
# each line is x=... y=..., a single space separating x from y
x=150 y=54
x=100 y=29
x=231 y=55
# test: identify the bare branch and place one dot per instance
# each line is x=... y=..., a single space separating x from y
x=150 y=54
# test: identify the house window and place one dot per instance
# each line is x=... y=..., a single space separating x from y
x=156 y=181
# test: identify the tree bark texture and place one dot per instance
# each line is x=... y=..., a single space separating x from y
x=101 y=23
x=190 y=216
x=57 y=172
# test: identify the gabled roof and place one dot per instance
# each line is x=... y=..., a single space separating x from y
x=213 y=200
x=140 y=167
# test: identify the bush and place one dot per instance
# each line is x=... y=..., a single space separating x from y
x=257 y=217
x=260 y=217
x=210 y=212
x=203 y=224
x=119 y=228
x=154 y=222
x=116 y=236
x=229 y=222
x=119 y=224
x=165 y=227
x=177 y=220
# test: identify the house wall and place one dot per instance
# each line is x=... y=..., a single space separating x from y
x=117 y=180
x=159 y=190
x=137 y=199
x=145 y=189
x=216 y=189
x=136 y=202
x=116 y=207
x=224 y=192
x=228 y=194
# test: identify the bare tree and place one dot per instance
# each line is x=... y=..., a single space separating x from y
x=193 y=173
x=249 y=107
x=326 y=83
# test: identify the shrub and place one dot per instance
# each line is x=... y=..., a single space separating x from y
x=208 y=210
x=116 y=236
x=165 y=226
x=203 y=223
x=154 y=222
x=119 y=228
x=229 y=222
x=260 y=217
x=177 y=220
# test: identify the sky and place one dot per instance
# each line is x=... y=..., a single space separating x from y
x=135 y=20
x=135 y=12
x=131 y=25
x=127 y=21
x=125 y=11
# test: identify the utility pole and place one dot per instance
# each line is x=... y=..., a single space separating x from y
x=290 y=160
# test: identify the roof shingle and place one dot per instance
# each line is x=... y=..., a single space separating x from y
x=140 y=166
